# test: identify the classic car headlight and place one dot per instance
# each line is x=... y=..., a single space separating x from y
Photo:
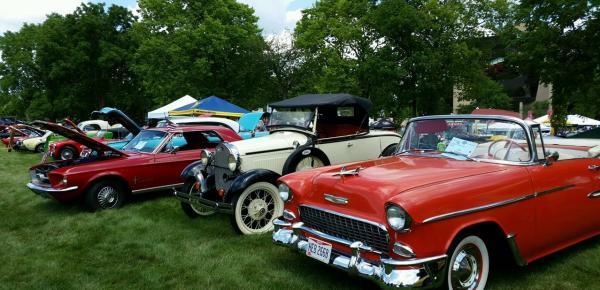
x=232 y=162
x=204 y=156
x=64 y=180
x=284 y=192
x=397 y=218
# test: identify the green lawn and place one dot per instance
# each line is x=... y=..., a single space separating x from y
x=151 y=244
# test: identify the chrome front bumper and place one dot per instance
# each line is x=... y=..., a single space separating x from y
x=423 y=273
x=199 y=200
x=48 y=191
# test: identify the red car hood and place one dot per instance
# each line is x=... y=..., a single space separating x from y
x=381 y=180
x=77 y=137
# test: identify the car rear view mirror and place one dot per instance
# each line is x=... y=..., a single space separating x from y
x=552 y=158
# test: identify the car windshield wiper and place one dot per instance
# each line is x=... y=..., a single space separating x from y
x=415 y=150
x=460 y=154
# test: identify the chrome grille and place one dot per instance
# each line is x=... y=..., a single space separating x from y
x=344 y=227
x=223 y=176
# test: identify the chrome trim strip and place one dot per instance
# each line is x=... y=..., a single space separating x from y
x=512 y=243
x=157 y=188
x=44 y=189
x=347 y=216
x=496 y=204
x=564 y=187
x=335 y=199
x=412 y=262
x=594 y=194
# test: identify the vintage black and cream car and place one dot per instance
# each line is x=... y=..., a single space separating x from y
x=307 y=131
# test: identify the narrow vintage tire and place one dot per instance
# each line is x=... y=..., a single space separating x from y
x=299 y=161
x=194 y=211
x=389 y=150
x=39 y=148
x=255 y=208
x=105 y=194
x=468 y=264
x=67 y=153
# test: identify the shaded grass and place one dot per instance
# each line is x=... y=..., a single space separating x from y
x=151 y=244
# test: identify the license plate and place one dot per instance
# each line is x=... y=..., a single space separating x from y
x=319 y=250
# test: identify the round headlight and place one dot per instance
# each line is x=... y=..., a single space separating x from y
x=232 y=162
x=397 y=218
x=284 y=192
x=204 y=154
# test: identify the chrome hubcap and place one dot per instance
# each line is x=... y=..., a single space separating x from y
x=257 y=209
x=466 y=268
x=66 y=155
x=108 y=197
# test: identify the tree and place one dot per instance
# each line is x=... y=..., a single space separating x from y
x=559 y=40
x=71 y=65
x=407 y=56
x=200 y=48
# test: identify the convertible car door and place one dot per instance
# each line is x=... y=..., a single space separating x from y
x=565 y=212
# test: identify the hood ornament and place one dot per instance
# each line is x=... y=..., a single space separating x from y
x=344 y=172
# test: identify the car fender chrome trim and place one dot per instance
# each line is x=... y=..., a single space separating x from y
x=512 y=244
x=495 y=204
x=148 y=189
x=595 y=194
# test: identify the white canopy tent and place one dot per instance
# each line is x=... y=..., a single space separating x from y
x=163 y=112
x=571 y=120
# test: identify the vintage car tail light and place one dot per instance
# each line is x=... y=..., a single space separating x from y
x=284 y=192
x=397 y=218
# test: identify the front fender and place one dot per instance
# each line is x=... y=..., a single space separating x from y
x=247 y=178
x=188 y=171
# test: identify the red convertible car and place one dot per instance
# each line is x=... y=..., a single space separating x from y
x=459 y=191
x=149 y=162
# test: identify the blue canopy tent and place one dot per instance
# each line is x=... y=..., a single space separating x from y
x=212 y=105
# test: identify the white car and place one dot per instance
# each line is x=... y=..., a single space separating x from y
x=305 y=132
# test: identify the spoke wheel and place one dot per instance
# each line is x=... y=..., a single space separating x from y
x=195 y=210
x=256 y=208
x=107 y=197
x=309 y=162
x=39 y=148
x=468 y=267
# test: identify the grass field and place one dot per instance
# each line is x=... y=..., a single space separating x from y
x=151 y=244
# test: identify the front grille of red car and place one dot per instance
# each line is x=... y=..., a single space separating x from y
x=345 y=227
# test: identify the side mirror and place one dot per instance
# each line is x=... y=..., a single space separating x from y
x=174 y=150
x=551 y=158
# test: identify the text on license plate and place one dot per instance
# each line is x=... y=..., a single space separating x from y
x=318 y=250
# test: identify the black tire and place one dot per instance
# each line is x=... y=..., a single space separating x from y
x=39 y=148
x=302 y=153
x=474 y=257
x=194 y=211
x=67 y=153
x=105 y=194
x=389 y=150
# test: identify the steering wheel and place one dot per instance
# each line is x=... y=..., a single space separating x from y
x=508 y=145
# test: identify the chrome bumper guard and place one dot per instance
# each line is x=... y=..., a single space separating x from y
x=199 y=200
x=423 y=273
x=48 y=191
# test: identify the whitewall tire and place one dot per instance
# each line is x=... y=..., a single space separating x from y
x=469 y=264
x=256 y=207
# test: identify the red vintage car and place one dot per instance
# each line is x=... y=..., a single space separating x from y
x=20 y=132
x=459 y=190
x=151 y=161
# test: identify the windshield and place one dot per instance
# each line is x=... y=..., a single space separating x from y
x=145 y=141
x=467 y=139
x=294 y=117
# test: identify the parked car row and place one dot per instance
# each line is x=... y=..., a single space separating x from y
x=429 y=209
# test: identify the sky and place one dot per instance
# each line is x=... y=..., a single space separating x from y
x=275 y=16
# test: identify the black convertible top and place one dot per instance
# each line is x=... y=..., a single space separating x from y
x=319 y=100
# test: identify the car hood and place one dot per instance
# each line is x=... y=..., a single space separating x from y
x=116 y=116
x=379 y=181
x=77 y=137
x=274 y=141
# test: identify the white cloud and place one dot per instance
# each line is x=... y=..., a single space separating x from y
x=274 y=16
x=14 y=13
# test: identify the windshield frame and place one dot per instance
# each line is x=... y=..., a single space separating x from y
x=526 y=128
x=156 y=149
x=282 y=127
